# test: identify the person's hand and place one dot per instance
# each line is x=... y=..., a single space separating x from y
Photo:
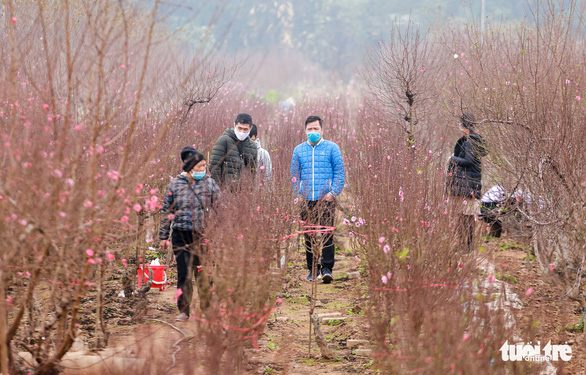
x=329 y=197
x=164 y=244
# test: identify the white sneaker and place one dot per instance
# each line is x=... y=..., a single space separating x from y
x=182 y=317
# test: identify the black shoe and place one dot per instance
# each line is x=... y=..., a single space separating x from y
x=327 y=276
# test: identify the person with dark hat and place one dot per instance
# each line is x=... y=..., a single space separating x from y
x=464 y=181
x=188 y=199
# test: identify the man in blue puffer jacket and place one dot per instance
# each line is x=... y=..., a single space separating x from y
x=317 y=173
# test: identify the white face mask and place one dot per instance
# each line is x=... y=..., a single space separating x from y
x=241 y=136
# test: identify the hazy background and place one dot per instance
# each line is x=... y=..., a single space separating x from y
x=294 y=46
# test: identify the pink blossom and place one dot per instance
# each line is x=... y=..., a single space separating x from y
x=240 y=236
x=111 y=257
x=296 y=200
x=89 y=252
x=13 y=20
x=124 y=219
x=491 y=278
x=466 y=337
x=356 y=258
x=137 y=207
x=346 y=222
x=262 y=167
x=114 y=175
x=69 y=182
x=294 y=179
x=529 y=291
x=384 y=279
x=381 y=240
x=578 y=97
x=100 y=149
x=88 y=204
x=91 y=261
x=153 y=192
x=258 y=208
x=23 y=222
x=178 y=294
x=279 y=301
x=351 y=234
x=62 y=214
x=551 y=267
x=353 y=218
x=386 y=249
x=171 y=217
x=124 y=262
x=9 y=300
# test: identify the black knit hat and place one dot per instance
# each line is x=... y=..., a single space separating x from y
x=192 y=160
x=468 y=120
x=186 y=152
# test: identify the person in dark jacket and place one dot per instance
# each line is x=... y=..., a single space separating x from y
x=188 y=199
x=234 y=153
x=465 y=178
x=317 y=173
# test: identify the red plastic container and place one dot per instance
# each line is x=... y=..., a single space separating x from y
x=159 y=276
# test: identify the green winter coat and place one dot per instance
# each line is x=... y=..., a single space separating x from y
x=231 y=156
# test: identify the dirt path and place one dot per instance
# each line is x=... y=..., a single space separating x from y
x=284 y=348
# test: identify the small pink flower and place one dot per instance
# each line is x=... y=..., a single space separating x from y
x=91 y=261
x=381 y=240
x=296 y=200
x=294 y=179
x=353 y=218
x=491 y=278
x=153 y=192
x=351 y=234
x=279 y=301
x=356 y=258
x=262 y=167
x=240 y=236
x=384 y=279
x=346 y=222
x=466 y=337
x=62 y=214
x=178 y=294
x=386 y=249
x=88 y=204
x=111 y=257
x=124 y=219
x=258 y=209
x=551 y=267
x=89 y=252
x=124 y=262
x=578 y=97
x=137 y=207
x=13 y=19
x=529 y=291
x=114 y=175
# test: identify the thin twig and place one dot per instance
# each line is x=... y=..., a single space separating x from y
x=176 y=345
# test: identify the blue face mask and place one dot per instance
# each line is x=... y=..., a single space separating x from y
x=313 y=137
x=198 y=175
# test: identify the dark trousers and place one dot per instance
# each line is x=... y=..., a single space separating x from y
x=467 y=228
x=188 y=250
x=319 y=213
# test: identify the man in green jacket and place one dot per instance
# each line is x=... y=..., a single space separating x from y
x=234 y=153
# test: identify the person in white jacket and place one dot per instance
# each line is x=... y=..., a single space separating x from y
x=263 y=161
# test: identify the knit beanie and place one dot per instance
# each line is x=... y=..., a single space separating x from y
x=186 y=152
x=192 y=160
